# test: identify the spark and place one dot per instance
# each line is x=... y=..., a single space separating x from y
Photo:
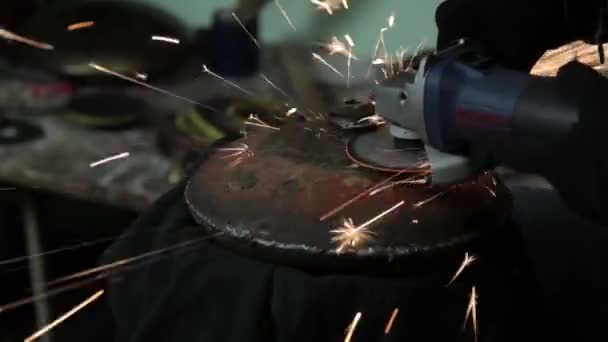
x=8 y=35
x=349 y=235
x=391 y=20
x=494 y=180
x=373 y=119
x=330 y=5
x=411 y=180
x=468 y=260
x=109 y=159
x=472 y=311
x=320 y=59
x=336 y=46
x=359 y=196
x=414 y=221
x=80 y=25
x=490 y=191
x=65 y=316
x=232 y=84
x=166 y=39
x=352 y=326
x=291 y=111
x=277 y=88
x=254 y=120
x=143 y=84
x=430 y=199
x=237 y=151
x=255 y=41
x=284 y=13
x=141 y=76
x=391 y=321
x=351 y=45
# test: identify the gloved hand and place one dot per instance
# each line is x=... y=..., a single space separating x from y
x=517 y=32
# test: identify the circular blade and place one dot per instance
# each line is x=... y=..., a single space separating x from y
x=378 y=150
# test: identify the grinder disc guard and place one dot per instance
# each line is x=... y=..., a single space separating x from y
x=274 y=196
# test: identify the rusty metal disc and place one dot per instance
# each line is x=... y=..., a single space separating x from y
x=273 y=200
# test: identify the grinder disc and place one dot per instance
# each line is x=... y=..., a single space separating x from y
x=377 y=150
x=273 y=200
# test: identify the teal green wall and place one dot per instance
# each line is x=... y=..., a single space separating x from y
x=362 y=21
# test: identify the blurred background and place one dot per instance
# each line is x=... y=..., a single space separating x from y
x=105 y=105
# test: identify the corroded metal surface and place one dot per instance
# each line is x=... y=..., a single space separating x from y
x=277 y=193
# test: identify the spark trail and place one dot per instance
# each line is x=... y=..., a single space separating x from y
x=391 y=321
x=109 y=159
x=324 y=62
x=255 y=41
x=65 y=316
x=468 y=260
x=166 y=39
x=472 y=312
x=284 y=13
x=223 y=79
x=151 y=87
x=351 y=328
x=80 y=25
x=8 y=35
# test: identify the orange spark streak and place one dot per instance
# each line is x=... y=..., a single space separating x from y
x=359 y=196
x=352 y=327
x=255 y=41
x=8 y=35
x=80 y=25
x=472 y=312
x=284 y=13
x=391 y=321
x=430 y=199
x=65 y=316
x=254 y=120
x=143 y=84
x=468 y=260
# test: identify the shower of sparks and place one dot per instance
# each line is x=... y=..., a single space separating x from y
x=151 y=87
x=254 y=120
x=80 y=25
x=109 y=159
x=291 y=111
x=410 y=181
x=8 y=35
x=430 y=199
x=65 y=316
x=165 y=39
x=472 y=312
x=284 y=13
x=349 y=235
x=492 y=192
x=358 y=197
x=352 y=326
x=255 y=41
x=391 y=321
x=230 y=83
x=418 y=50
x=468 y=260
x=320 y=59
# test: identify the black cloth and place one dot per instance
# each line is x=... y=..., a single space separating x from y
x=207 y=293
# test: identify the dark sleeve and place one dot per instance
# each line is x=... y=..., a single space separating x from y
x=515 y=32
